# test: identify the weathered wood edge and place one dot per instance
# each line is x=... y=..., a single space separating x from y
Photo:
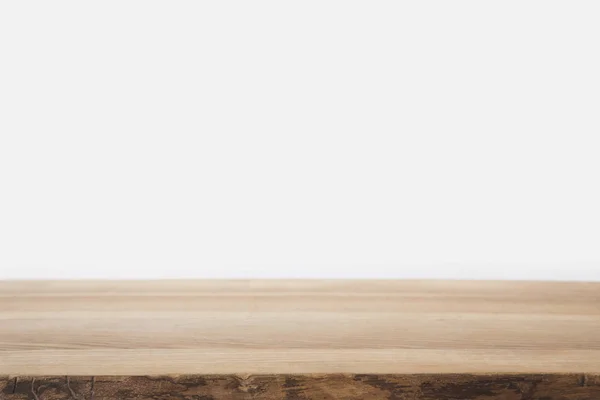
x=290 y=387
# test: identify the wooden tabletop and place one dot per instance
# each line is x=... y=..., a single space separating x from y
x=298 y=327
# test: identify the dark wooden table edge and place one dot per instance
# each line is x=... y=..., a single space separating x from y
x=574 y=386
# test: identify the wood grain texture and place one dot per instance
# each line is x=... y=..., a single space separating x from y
x=302 y=387
x=298 y=327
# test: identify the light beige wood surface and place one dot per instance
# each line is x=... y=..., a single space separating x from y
x=297 y=326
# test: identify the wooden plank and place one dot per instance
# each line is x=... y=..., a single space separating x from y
x=298 y=387
x=298 y=327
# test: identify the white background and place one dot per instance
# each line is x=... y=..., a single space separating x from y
x=422 y=139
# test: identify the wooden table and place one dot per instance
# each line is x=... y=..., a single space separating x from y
x=319 y=339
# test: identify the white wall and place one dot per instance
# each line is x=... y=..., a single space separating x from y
x=151 y=139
